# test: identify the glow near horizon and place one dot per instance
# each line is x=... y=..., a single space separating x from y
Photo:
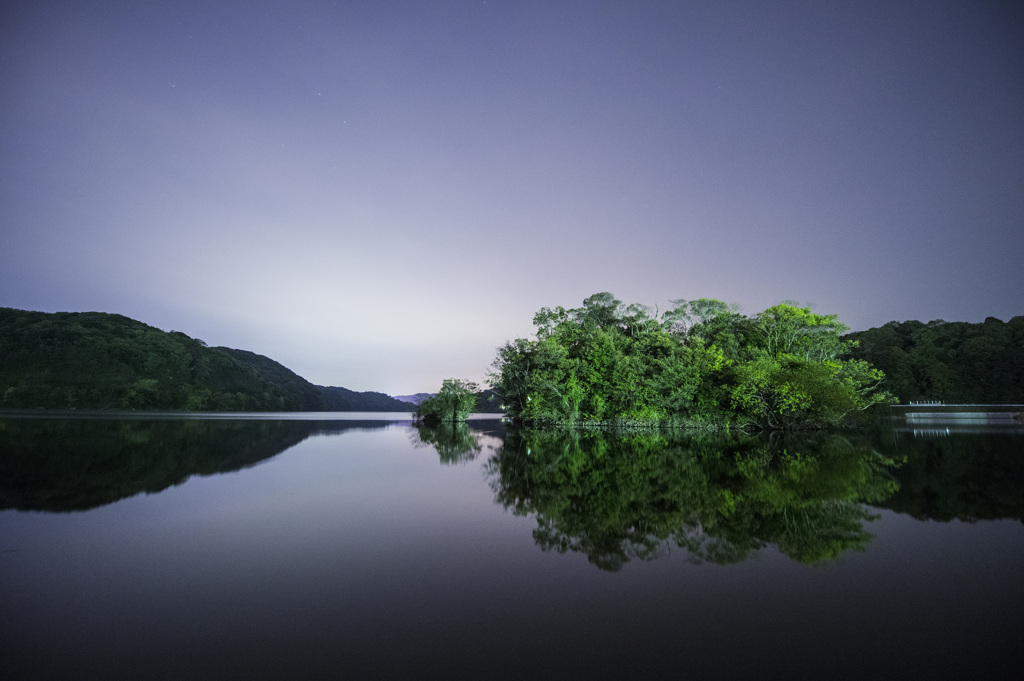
x=379 y=195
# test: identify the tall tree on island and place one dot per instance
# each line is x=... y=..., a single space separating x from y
x=453 y=402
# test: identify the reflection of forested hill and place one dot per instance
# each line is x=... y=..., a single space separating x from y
x=961 y=476
x=955 y=362
x=49 y=464
x=93 y=360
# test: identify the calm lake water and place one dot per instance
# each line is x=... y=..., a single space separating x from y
x=360 y=546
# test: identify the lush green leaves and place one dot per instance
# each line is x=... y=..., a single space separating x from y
x=953 y=362
x=699 y=362
x=453 y=402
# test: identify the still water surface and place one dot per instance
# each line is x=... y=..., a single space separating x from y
x=360 y=546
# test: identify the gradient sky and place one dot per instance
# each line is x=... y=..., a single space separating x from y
x=378 y=194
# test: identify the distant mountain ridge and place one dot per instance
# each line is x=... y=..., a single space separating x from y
x=343 y=399
x=413 y=399
x=98 y=360
x=487 y=401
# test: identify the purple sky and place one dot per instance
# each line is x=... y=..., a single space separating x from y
x=378 y=194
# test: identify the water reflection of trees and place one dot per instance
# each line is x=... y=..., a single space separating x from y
x=74 y=464
x=960 y=476
x=617 y=498
x=454 y=441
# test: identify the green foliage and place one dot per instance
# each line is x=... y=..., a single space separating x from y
x=453 y=402
x=488 y=402
x=343 y=399
x=954 y=362
x=700 y=362
x=790 y=330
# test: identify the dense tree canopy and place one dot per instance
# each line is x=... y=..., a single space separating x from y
x=954 y=362
x=452 y=403
x=701 y=362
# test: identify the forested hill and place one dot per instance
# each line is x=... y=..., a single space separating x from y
x=343 y=399
x=95 y=360
x=955 y=362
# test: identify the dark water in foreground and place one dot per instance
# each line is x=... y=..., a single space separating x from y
x=359 y=547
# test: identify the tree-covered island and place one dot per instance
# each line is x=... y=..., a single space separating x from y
x=699 y=364
x=451 y=404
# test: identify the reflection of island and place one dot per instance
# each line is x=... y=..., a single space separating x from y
x=456 y=442
x=74 y=464
x=622 y=497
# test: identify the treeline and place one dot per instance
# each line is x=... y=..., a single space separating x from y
x=95 y=360
x=699 y=363
x=955 y=362
x=343 y=399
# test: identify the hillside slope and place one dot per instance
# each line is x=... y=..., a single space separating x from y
x=343 y=399
x=96 y=360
